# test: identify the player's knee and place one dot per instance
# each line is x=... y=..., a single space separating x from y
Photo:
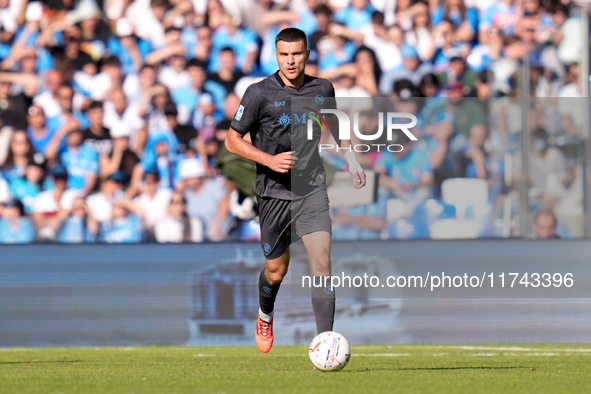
x=323 y=264
x=276 y=277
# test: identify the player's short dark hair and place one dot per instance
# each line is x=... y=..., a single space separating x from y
x=291 y=34
x=227 y=49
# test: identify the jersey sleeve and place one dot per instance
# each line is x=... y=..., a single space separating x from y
x=330 y=101
x=246 y=117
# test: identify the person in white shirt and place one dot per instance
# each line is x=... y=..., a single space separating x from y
x=177 y=226
x=100 y=204
x=154 y=201
x=48 y=203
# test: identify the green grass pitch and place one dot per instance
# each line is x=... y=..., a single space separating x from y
x=372 y=369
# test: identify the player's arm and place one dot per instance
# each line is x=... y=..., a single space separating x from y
x=236 y=144
x=346 y=146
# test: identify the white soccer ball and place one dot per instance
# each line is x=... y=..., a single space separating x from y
x=330 y=351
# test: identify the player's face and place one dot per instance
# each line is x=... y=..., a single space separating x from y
x=292 y=58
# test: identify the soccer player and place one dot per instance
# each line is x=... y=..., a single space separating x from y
x=265 y=112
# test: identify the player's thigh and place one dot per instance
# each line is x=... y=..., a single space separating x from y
x=275 y=220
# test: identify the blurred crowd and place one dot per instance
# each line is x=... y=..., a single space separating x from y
x=113 y=113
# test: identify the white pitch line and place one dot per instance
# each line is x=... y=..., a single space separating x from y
x=381 y=354
x=517 y=349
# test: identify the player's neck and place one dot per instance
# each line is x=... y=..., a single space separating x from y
x=294 y=83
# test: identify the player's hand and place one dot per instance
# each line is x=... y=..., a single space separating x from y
x=359 y=180
x=282 y=162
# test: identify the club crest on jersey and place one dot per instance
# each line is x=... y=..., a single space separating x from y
x=284 y=120
x=319 y=99
x=239 y=113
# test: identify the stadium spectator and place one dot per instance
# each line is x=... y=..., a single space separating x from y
x=130 y=50
x=75 y=224
x=49 y=203
x=15 y=227
x=544 y=225
x=334 y=50
x=147 y=19
x=361 y=222
x=122 y=157
x=125 y=226
x=73 y=56
x=172 y=72
x=100 y=204
x=422 y=36
x=27 y=187
x=207 y=199
x=323 y=15
x=109 y=79
x=120 y=115
x=243 y=41
x=162 y=155
x=228 y=74
x=381 y=39
x=406 y=173
x=136 y=86
x=67 y=113
x=231 y=104
x=411 y=69
x=97 y=136
x=47 y=99
x=20 y=154
x=80 y=160
x=464 y=20
x=551 y=172
x=40 y=134
x=206 y=116
x=204 y=44
x=177 y=226
x=430 y=85
x=12 y=114
x=357 y=15
x=151 y=107
x=502 y=15
x=468 y=121
x=187 y=96
x=185 y=134
x=153 y=201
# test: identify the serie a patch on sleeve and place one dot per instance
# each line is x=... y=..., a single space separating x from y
x=239 y=113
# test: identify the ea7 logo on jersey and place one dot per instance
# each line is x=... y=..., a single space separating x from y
x=239 y=113
x=280 y=103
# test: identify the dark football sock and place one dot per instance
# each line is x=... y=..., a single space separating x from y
x=323 y=303
x=267 y=293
